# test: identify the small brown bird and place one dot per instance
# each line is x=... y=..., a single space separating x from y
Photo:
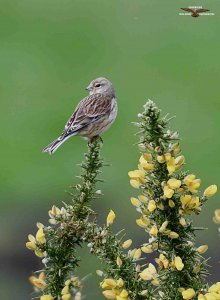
x=93 y=115
x=195 y=12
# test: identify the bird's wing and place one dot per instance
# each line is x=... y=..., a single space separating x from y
x=88 y=110
x=188 y=9
x=202 y=10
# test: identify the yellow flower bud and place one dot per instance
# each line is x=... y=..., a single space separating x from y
x=210 y=191
x=182 y=221
x=135 y=202
x=65 y=290
x=173 y=235
x=171 y=167
x=66 y=297
x=216 y=218
x=109 y=294
x=151 y=205
x=120 y=282
x=118 y=261
x=99 y=273
x=31 y=246
x=40 y=236
x=161 y=159
x=153 y=231
x=171 y=203
x=202 y=249
x=135 y=183
x=163 y=227
x=143 y=198
x=147 y=249
x=108 y=283
x=168 y=193
x=110 y=218
x=173 y=183
x=188 y=294
x=143 y=222
x=149 y=273
x=127 y=244
x=178 y=263
x=124 y=294
x=136 y=253
x=46 y=297
x=39 y=253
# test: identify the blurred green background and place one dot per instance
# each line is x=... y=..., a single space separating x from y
x=49 y=51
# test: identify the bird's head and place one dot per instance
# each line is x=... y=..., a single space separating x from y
x=100 y=85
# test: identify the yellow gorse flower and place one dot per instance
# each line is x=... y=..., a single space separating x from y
x=114 y=289
x=174 y=183
x=46 y=297
x=66 y=297
x=143 y=222
x=154 y=230
x=192 y=183
x=147 y=249
x=168 y=192
x=110 y=218
x=137 y=178
x=163 y=227
x=127 y=244
x=202 y=249
x=119 y=261
x=135 y=202
x=145 y=162
x=190 y=203
x=216 y=217
x=178 y=264
x=162 y=261
x=39 y=239
x=40 y=236
x=152 y=206
x=188 y=294
x=135 y=253
x=38 y=281
x=149 y=273
x=173 y=164
x=173 y=235
x=210 y=191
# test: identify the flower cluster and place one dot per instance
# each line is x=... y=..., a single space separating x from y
x=121 y=275
x=74 y=224
x=36 y=243
x=56 y=244
x=114 y=289
x=167 y=196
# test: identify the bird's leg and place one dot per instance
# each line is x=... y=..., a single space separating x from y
x=95 y=138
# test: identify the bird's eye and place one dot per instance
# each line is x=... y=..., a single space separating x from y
x=98 y=85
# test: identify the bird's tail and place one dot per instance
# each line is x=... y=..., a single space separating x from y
x=52 y=147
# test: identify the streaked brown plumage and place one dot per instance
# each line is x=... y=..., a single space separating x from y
x=93 y=115
x=195 y=12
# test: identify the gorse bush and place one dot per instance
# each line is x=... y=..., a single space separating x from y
x=166 y=197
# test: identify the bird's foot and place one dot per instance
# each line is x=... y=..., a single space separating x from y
x=94 y=139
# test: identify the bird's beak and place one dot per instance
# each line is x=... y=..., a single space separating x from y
x=88 y=88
